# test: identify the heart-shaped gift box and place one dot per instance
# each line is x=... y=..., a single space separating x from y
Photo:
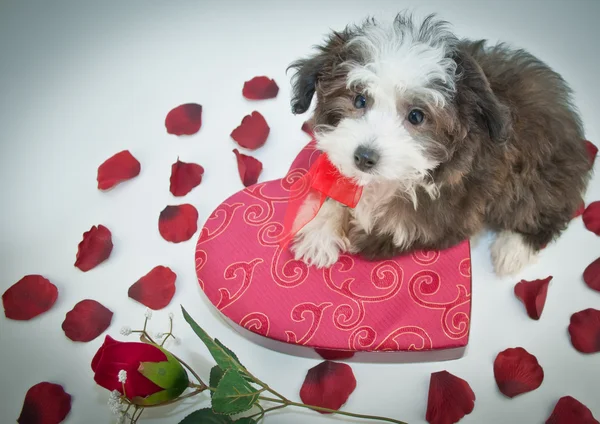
x=413 y=308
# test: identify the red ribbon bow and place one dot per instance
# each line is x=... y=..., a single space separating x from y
x=323 y=180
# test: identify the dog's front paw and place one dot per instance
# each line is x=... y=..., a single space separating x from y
x=316 y=249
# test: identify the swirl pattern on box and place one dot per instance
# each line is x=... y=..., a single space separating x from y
x=418 y=302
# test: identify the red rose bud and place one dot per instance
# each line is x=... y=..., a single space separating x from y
x=149 y=374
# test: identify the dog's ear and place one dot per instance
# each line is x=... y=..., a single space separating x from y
x=323 y=64
x=304 y=82
x=474 y=89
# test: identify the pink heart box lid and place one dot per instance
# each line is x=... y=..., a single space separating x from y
x=414 y=308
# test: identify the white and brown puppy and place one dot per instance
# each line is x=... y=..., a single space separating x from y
x=447 y=136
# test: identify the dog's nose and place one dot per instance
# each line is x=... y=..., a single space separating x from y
x=365 y=158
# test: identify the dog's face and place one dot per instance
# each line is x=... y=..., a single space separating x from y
x=388 y=107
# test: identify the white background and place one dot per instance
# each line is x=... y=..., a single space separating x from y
x=82 y=80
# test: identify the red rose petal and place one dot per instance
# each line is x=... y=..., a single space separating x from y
x=450 y=398
x=108 y=341
x=178 y=223
x=334 y=355
x=517 y=371
x=592 y=151
x=533 y=295
x=120 y=167
x=328 y=385
x=155 y=289
x=591 y=217
x=86 y=321
x=569 y=410
x=184 y=177
x=308 y=128
x=252 y=132
x=585 y=330
x=260 y=88
x=29 y=297
x=579 y=210
x=591 y=275
x=94 y=249
x=185 y=119
x=45 y=403
x=248 y=167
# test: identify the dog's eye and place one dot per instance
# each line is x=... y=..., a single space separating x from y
x=360 y=102
x=416 y=116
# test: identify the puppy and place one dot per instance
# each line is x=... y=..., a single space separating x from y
x=447 y=137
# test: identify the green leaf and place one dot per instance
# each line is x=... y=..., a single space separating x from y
x=242 y=369
x=157 y=398
x=230 y=353
x=222 y=357
x=245 y=420
x=206 y=416
x=216 y=373
x=167 y=375
x=234 y=394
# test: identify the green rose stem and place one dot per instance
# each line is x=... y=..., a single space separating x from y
x=201 y=387
x=287 y=402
